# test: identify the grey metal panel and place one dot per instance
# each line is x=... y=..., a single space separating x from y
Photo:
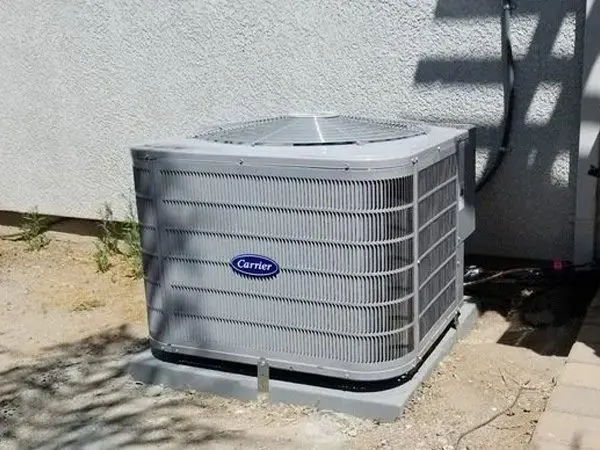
x=597 y=249
x=378 y=155
x=368 y=257
x=466 y=155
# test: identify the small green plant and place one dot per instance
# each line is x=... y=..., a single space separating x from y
x=109 y=231
x=130 y=236
x=112 y=236
x=87 y=304
x=33 y=228
x=101 y=257
x=107 y=242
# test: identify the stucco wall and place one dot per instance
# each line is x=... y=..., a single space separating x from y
x=82 y=80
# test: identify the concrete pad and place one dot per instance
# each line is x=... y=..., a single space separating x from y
x=569 y=429
x=385 y=405
x=575 y=400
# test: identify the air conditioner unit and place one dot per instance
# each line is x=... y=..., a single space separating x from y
x=322 y=244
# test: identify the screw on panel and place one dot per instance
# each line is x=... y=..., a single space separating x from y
x=414 y=161
x=241 y=162
x=510 y=6
x=263 y=377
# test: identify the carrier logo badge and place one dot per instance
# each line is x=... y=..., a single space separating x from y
x=255 y=266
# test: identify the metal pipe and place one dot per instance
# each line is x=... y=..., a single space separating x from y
x=509 y=98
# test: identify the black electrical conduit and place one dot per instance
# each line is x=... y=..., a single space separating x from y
x=509 y=98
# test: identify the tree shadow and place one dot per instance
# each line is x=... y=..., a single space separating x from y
x=545 y=318
x=542 y=168
x=80 y=396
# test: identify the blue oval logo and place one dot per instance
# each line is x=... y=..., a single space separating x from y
x=254 y=266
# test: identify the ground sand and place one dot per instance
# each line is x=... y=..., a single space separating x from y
x=65 y=328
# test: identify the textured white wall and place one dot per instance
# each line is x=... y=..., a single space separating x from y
x=81 y=80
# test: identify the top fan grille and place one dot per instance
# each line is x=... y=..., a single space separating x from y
x=305 y=130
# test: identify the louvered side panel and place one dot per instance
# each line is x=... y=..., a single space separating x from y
x=345 y=289
x=226 y=335
x=439 y=307
x=438 y=213
x=145 y=184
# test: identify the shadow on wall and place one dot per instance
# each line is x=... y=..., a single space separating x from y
x=81 y=396
x=543 y=163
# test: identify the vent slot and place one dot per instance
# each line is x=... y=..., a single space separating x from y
x=437 y=174
x=292 y=254
x=288 y=223
x=301 y=193
x=353 y=289
x=218 y=334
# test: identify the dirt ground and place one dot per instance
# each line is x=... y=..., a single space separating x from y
x=65 y=329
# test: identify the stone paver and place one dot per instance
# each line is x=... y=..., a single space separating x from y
x=580 y=375
x=575 y=400
x=583 y=353
x=568 y=429
x=572 y=417
x=541 y=444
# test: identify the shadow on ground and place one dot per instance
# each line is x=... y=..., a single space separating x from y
x=80 y=396
x=545 y=318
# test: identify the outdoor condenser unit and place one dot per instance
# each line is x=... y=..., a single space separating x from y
x=321 y=244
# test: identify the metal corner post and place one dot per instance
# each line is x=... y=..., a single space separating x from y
x=586 y=193
x=416 y=259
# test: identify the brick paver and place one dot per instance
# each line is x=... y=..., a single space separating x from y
x=572 y=417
